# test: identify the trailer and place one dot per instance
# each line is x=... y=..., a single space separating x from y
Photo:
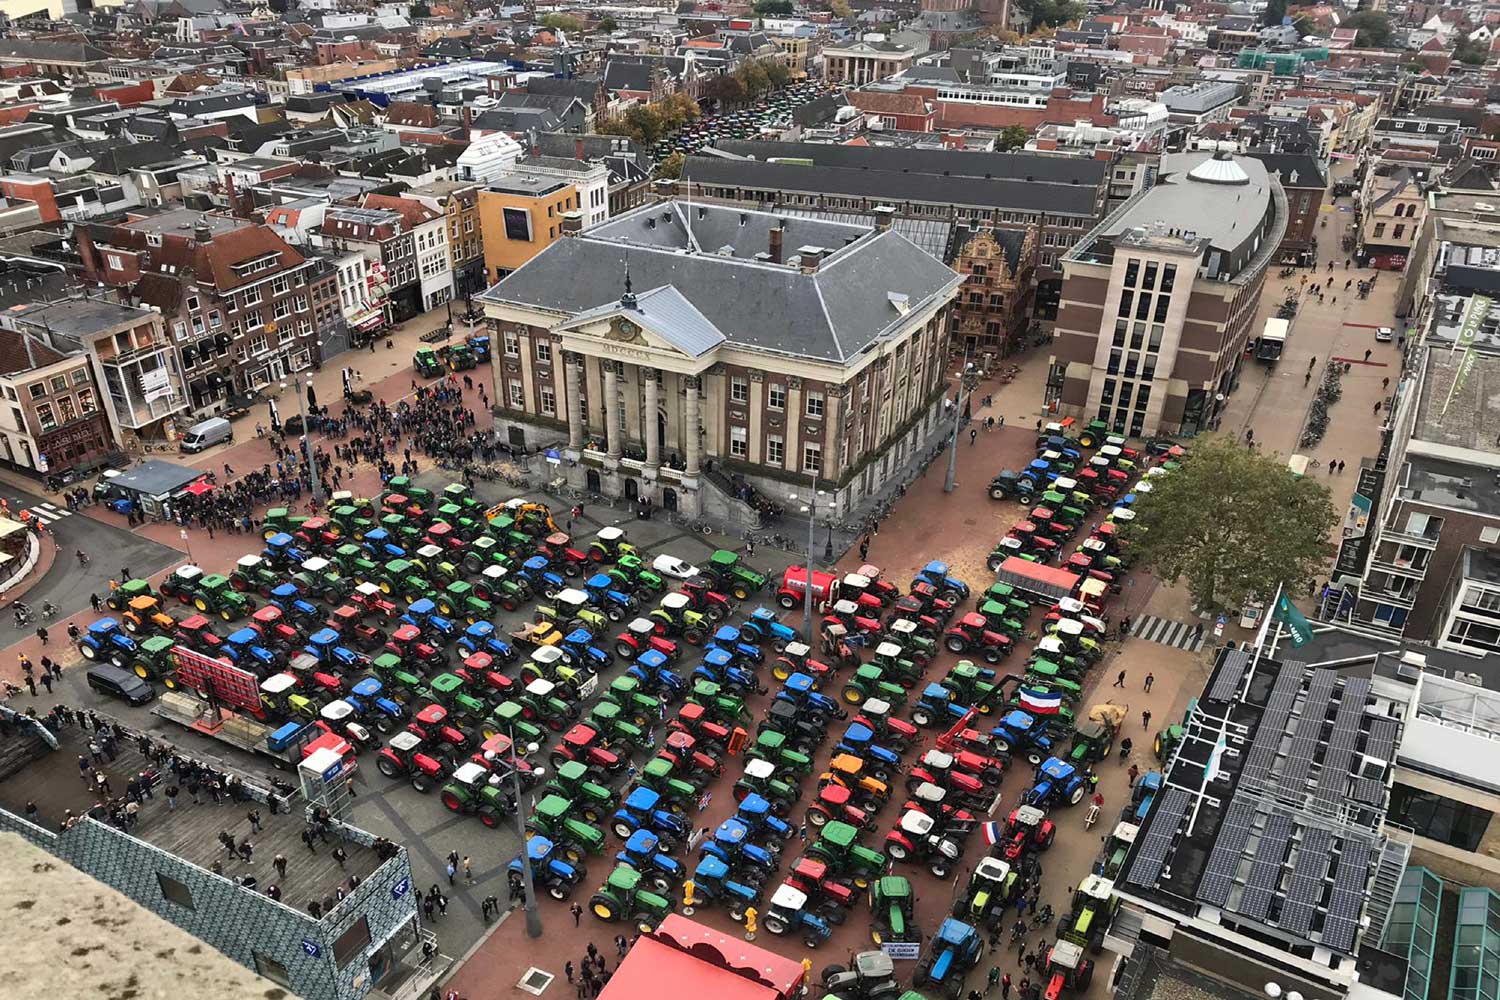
x=1035 y=582
x=1273 y=339
x=284 y=746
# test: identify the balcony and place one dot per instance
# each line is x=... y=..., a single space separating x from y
x=1422 y=541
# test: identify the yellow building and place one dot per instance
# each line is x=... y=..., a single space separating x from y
x=520 y=216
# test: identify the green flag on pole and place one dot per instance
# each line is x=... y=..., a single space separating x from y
x=1288 y=615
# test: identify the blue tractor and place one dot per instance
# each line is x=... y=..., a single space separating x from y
x=718 y=666
x=1057 y=783
x=757 y=813
x=714 y=883
x=282 y=553
x=746 y=653
x=382 y=549
x=663 y=873
x=327 y=646
x=616 y=604
x=859 y=740
x=949 y=588
x=423 y=614
x=955 y=949
x=107 y=642
x=644 y=809
x=1142 y=795
x=243 y=648
x=816 y=708
x=368 y=697
x=766 y=627
x=650 y=668
x=1025 y=734
x=481 y=637
x=548 y=869
x=579 y=645
x=538 y=574
x=289 y=599
x=789 y=914
x=732 y=845
x=936 y=707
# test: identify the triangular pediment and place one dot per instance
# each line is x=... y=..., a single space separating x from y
x=661 y=320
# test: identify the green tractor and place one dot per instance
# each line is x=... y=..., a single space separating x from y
x=355 y=561
x=1116 y=846
x=542 y=705
x=1167 y=739
x=553 y=818
x=153 y=661
x=475 y=790
x=732 y=576
x=119 y=599
x=459 y=599
x=253 y=574
x=1094 y=906
x=216 y=595
x=510 y=717
x=992 y=887
x=427 y=363
x=838 y=848
x=869 y=681
x=608 y=719
x=893 y=911
x=320 y=579
x=449 y=691
x=632 y=575
x=638 y=707
x=575 y=780
x=622 y=897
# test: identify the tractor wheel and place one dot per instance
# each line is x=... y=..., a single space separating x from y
x=812 y=941
x=693 y=637
x=939 y=869
x=788 y=601
x=590 y=814
x=898 y=852
x=779 y=645
x=1084 y=976
x=200 y=604
x=836 y=915
x=624 y=650
x=737 y=912
x=1002 y=744
x=89 y=652
x=853 y=695
x=141 y=669
x=623 y=830
x=571 y=570
x=950 y=594
x=1076 y=795
x=388 y=767
x=615 y=613
x=451 y=802
x=774 y=924
x=604 y=908
x=559 y=890
x=991 y=775
x=817 y=817
x=661 y=884
x=226 y=614
x=1033 y=758
x=169 y=682
x=421 y=783
x=955 y=643
x=489 y=816
x=921 y=717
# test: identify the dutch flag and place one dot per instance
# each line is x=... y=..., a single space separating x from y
x=992 y=832
x=1041 y=702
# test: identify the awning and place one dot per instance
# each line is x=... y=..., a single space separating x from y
x=367 y=321
x=198 y=386
x=199 y=488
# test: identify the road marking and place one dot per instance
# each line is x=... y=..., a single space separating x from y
x=1178 y=635
x=47 y=513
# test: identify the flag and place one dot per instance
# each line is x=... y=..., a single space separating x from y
x=1288 y=615
x=1041 y=702
x=993 y=832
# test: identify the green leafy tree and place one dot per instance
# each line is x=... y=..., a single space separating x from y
x=420 y=10
x=1235 y=524
x=1373 y=29
x=753 y=77
x=1050 y=13
x=1307 y=26
x=562 y=22
x=644 y=123
x=671 y=167
x=1471 y=52
x=776 y=72
x=773 y=8
x=1275 y=11
x=1013 y=137
x=607 y=23
x=727 y=89
x=839 y=8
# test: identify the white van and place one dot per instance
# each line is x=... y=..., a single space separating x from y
x=206 y=434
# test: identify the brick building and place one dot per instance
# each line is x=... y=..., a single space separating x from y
x=993 y=309
x=50 y=418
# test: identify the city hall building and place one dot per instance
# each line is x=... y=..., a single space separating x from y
x=684 y=351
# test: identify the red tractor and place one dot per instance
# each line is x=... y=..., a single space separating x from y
x=495 y=753
x=197 y=633
x=557 y=549
x=937 y=767
x=796 y=658
x=584 y=744
x=708 y=602
x=406 y=756
x=639 y=636
x=687 y=757
x=369 y=597
x=849 y=615
x=972 y=634
x=479 y=674
x=811 y=876
x=793 y=590
x=315 y=535
x=1027 y=828
x=692 y=719
x=887 y=592
x=444 y=739
x=348 y=621
x=271 y=622
x=875 y=715
x=407 y=643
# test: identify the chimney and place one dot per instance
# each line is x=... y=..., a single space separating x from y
x=884 y=216
x=572 y=223
x=234 y=206
x=774 y=246
x=666 y=187
x=468 y=120
x=578 y=149
x=88 y=252
x=811 y=257
x=201 y=232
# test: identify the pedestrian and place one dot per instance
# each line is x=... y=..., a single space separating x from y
x=427 y=907
x=254 y=817
x=47 y=682
x=1005 y=987
x=1377 y=406
x=95 y=603
x=1124 y=626
x=468 y=870
x=568 y=970
x=593 y=951
x=1146 y=721
x=442 y=905
x=1120 y=680
x=279 y=863
x=452 y=871
x=1150 y=680
x=41 y=630
x=973 y=435
x=247 y=851
x=864 y=548
x=802 y=832
x=1367 y=355
x=1133 y=773
x=340 y=855
x=620 y=944
x=1385 y=383
x=31 y=684
x=1341 y=466
x=577 y=912
x=172 y=792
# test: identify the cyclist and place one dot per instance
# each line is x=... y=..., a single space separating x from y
x=83 y=557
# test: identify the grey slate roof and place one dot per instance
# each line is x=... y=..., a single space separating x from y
x=888 y=186
x=710 y=228
x=830 y=315
x=958 y=163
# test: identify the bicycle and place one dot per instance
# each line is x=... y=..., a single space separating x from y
x=1313 y=463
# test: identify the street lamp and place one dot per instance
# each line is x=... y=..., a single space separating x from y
x=966 y=380
x=807 y=589
x=533 y=916
x=312 y=456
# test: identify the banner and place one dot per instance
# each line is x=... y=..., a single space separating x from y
x=1478 y=312
x=1288 y=615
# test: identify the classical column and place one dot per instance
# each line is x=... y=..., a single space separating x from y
x=693 y=436
x=571 y=363
x=648 y=423
x=613 y=433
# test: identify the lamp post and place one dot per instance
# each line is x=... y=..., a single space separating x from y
x=533 y=916
x=807 y=590
x=964 y=379
x=312 y=456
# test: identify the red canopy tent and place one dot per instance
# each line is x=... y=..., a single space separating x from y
x=700 y=961
x=199 y=488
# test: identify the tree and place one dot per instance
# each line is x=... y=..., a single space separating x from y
x=1472 y=52
x=1235 y=523
x=1275 y=11
x=1307 y=26
x=420 y=10
x=608 y=24
x=1373 y=29
x=562 y=22
x=1013 y=137
x=671 y=167
x=753 y=77
x=1050 y=13
x=726 y=89
x=839 y=8
x=773 y=8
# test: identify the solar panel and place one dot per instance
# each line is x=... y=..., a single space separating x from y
x=1265 y=870
x=1151 y=856
x=1283 y=697
x=1224 y=862
x=1308 y=734
x=1341 y=744
x=1348 y=896
x=1307 y=881
x=1370 y=791
x=1382 y=740
x=1231 y=673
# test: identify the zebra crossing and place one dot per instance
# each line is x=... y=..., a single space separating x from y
x=46 y=513
x=1178 y=635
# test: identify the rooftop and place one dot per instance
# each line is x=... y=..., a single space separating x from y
x=1455 y=417
x=191 y=831
x=1269 y=819
x=183 y=222
x=77 y=318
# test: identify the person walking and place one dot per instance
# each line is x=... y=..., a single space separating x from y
x=254 y=817
x=468 y=870
x=577 y=912
x=1120 y=680
x=1146 y=721
x=1150 y=680
x=568 y=970
x=1005 y=987
x=621 y=945
x=340 y=855
x=864 y=548
x=279 y=863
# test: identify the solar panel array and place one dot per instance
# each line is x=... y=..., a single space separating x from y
x=1279 y=705
x=1265 y=870
x=1341 y=742
x=1151 y=856
x=1309 y=733
x=1231 y=673
x=1224 y=862
x=1307 y=881
x=1370 y=791
x=1348 y=896
x=1381 y=743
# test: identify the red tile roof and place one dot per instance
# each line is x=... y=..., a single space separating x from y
x=215 y=261
x=413 y=213
x=20 y=352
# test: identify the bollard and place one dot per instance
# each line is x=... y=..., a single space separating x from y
x=750 y=914
x=687 y=898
